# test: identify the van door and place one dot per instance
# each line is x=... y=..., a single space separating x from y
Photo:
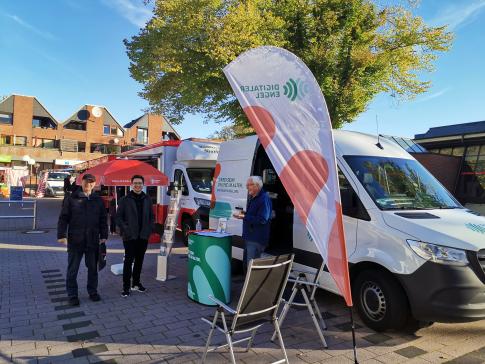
x=232 y=171
x=181 y=180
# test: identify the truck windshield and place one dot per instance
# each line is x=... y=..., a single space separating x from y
x=400 y=184
x=201 y=179
x=57 y=176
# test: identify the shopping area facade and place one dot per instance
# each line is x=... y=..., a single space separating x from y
x=27 y=128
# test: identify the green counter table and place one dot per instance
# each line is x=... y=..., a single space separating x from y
x=209 y=267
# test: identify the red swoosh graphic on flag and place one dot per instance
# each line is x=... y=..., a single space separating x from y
x=304 y=176
x=262 y=122
x=337 y=256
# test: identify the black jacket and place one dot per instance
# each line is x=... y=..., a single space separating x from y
x=83 y=221
x=127 y=218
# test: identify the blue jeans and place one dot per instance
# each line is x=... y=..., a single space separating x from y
x=252 y=250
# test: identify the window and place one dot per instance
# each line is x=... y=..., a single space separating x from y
x=142 y=136
x=400 y=184
x=179 y=178
x=106 y=129
x=43 y=122
x=75 y=125
x=458 y=151
x=81 y=146
x=45 y=143
x=445 y=151
x=6 y=118
x=104 y=148
x=20 y=141
x=201 y=179
x=472 y=150
x=6 y=140
x=351 y=204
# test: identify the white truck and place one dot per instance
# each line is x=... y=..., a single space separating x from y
x=54 y=186
x=415 y=254
x=190 y=165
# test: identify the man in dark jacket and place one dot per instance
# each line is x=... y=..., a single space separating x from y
x=256 y=220
x=135 y=219
x=83 y=226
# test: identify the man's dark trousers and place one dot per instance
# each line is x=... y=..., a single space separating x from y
x=134 y=252
x=74 y=257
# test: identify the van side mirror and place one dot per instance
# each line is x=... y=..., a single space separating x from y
x=169 y=189
x=185 y=191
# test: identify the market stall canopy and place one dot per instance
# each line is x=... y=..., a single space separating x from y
x=118 y=172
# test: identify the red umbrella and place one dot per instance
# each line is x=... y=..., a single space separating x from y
x=118 y=172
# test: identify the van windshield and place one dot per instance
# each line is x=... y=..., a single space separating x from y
x=57 y=176
x=400 y=184
x=201 y=179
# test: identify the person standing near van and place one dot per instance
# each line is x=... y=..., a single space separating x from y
x=135 y=219
x=256 y=220
x=82 y=226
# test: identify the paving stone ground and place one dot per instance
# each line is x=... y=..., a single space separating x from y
x=164 y=326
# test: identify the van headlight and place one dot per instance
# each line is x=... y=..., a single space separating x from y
x=438 y=253
x=202 y=202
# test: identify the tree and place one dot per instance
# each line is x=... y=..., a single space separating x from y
x=230 y=132
x=355 y=49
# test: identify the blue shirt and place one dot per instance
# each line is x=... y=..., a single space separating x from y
x=256 y=223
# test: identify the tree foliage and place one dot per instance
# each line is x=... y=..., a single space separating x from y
x=354 y=48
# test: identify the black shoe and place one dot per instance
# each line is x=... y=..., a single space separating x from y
x=125 y=293
x=73 y=301
x=95 y=297
x=138 y=287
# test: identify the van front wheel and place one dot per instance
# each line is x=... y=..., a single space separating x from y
x=381 y=302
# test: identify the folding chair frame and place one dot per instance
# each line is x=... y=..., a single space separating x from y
x=301 y=284
x=230 y=332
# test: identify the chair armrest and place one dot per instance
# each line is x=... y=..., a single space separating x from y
x=299 y=281
x=222 y=304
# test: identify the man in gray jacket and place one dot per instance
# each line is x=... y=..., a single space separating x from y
x=135 y=219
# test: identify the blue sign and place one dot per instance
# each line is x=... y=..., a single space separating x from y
x=16 y=193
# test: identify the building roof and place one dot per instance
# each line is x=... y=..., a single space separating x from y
x=38 y=109
x=82 y=114
x=143 y=121
x=451 y=130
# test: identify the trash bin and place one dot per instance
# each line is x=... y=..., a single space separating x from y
x=209 y=264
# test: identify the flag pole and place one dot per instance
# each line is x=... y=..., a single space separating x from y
x=353 y=335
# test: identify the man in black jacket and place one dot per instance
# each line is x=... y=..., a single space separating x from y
x=83 y=226
x=135 y=219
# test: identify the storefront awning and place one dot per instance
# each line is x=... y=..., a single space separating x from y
x=5 y=158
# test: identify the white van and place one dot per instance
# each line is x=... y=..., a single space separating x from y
x=190 y=164
x=415 y=254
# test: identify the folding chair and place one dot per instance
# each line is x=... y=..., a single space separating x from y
x=260 y=298
x=307 y=288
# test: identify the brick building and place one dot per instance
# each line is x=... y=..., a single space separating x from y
x=464 y=143
x=28 y=128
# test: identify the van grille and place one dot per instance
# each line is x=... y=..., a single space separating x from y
x=481 y=258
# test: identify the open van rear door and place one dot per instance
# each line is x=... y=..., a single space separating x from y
x=233 y=168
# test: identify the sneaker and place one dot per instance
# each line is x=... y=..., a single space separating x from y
x=125 y=293
x=73 y=301
x=95 y=297
x=138 y=287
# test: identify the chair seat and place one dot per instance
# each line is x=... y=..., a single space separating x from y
x=230 y=319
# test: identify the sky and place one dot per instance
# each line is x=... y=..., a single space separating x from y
x=69 y=53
